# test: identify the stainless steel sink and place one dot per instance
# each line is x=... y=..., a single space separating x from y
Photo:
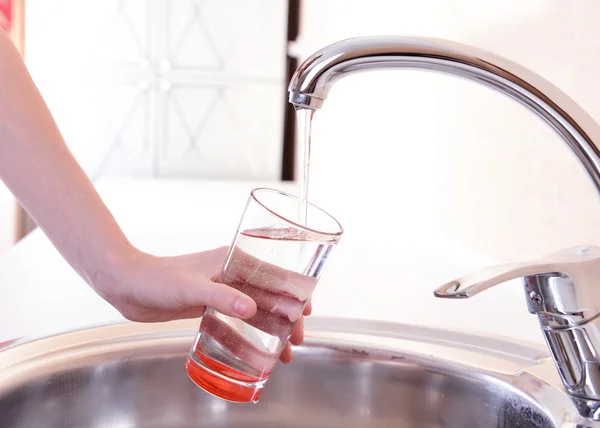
x=348 y=374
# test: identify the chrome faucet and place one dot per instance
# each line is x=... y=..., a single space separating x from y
x=563 y=289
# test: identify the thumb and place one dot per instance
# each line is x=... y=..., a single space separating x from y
x=221 y=297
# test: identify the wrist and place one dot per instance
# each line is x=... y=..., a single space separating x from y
x=105 y=269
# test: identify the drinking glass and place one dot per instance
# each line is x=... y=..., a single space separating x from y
x=278 y=263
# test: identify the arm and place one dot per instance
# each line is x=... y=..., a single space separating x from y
x=39 y=169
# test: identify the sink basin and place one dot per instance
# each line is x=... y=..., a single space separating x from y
x=347 y=374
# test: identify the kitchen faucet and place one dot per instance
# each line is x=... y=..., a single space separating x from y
x=563 y=289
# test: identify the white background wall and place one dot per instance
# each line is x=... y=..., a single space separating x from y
x=451 y=157
x=159 y=88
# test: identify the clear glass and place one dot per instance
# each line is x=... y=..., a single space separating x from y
x=278 y=263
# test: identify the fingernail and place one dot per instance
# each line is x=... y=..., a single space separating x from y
x=243 y=308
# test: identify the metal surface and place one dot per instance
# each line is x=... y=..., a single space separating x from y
x=349 y=374
x=563 y=289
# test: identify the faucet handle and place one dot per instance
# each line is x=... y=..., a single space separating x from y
x=563 y=288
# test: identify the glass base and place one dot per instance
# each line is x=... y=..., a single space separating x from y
x=214 y=378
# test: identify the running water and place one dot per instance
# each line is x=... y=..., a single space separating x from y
x=305 y=118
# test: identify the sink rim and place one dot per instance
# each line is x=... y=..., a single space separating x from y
x=523 y=368
x=453 y=350
x=517 y=350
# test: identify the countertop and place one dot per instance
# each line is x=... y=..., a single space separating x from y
x=373 y=275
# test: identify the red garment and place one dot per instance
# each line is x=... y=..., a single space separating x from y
x=5 y=14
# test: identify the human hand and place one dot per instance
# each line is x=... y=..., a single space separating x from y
x=297 y=336
x=147 y=288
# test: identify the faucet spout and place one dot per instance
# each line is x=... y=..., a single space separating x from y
x=562 y=289
x=312 y=81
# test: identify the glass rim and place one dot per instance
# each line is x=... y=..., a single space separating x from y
x=253 y=195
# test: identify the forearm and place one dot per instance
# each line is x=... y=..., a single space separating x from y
x=39 y=169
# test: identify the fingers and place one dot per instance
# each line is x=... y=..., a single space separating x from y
x=220 y=297
x=258 y=273
x=296 y=339
x=297 y=336
x=286 y=355
x=275 y=303
x=190 y=313
x=308 y=308
x=235 y=342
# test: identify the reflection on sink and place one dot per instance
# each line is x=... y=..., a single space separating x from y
x=348 y=374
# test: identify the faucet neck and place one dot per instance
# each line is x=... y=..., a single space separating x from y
x=562 y=290
x=314 y=78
